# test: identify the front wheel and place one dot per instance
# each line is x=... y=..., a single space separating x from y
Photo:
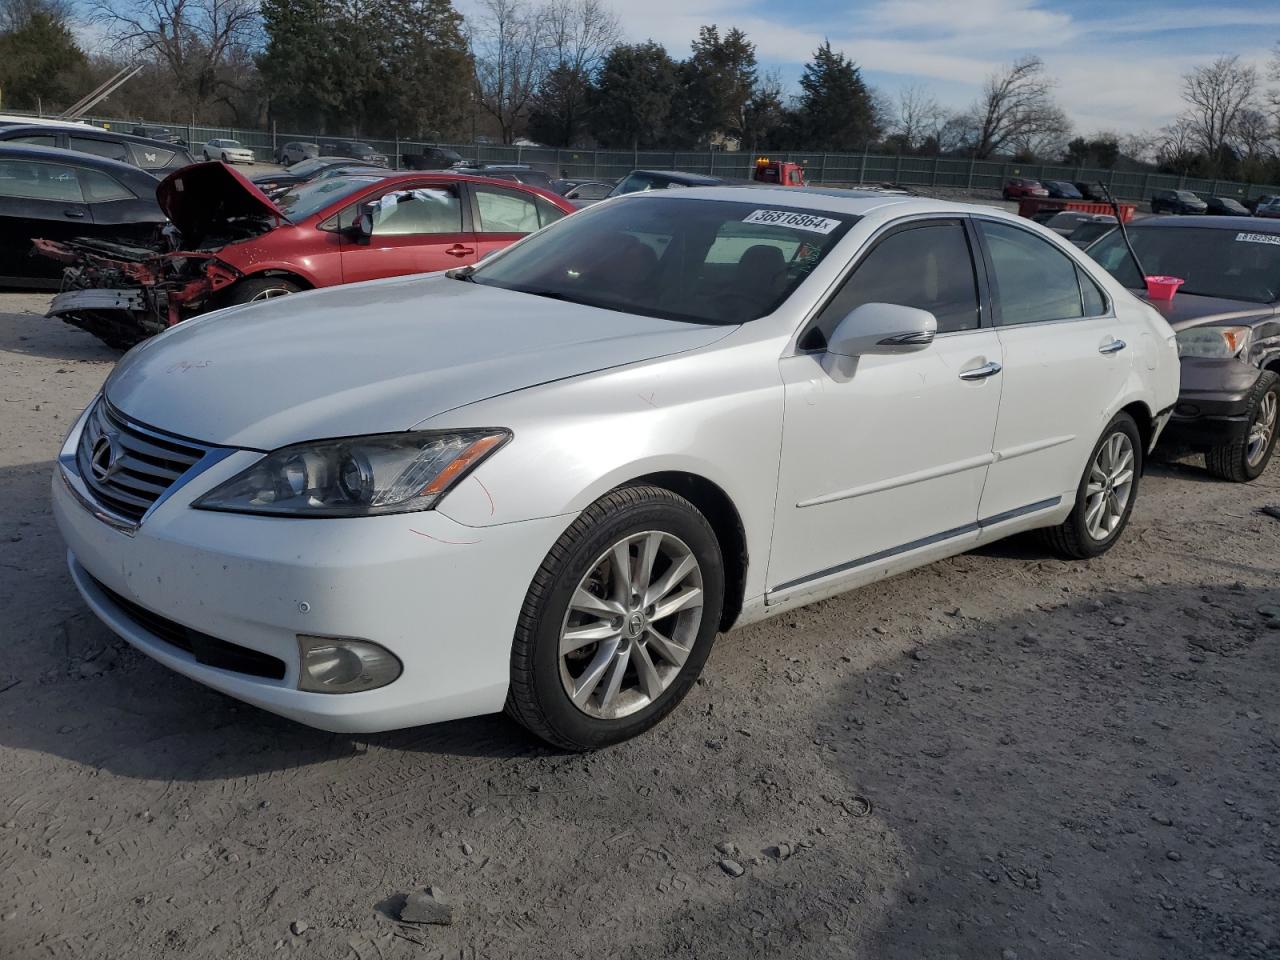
x=1105 y=496
x=256 y=289
x=618 y=621
x=1245 y=458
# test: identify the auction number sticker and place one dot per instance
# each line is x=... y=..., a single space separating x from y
x=786 y=218
x=1273 y=238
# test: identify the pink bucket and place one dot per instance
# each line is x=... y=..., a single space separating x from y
x=1163 y=288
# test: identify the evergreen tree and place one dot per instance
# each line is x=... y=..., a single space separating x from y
x=835 y=110
x=631 y=101
x=41 y=64
x=719 y=79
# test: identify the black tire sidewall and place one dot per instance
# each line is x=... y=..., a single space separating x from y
x=570 y=723
x=1090 y=546
x=1270 y=384
x=246 y=290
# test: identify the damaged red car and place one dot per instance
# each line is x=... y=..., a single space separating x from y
x=227 y=243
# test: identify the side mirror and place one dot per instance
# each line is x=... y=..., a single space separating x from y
x=882 y=328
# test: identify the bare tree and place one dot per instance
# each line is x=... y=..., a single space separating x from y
x=917 y=117
x=1141 y=146
x=579 y=33
x=1217 y=95
x=1176 y=147
x=509 y=43
x=201 y=42
x=1016 y=108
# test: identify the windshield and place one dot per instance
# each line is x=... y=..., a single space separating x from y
x=701 y=261
x=1088 y=232
x=1232 y=264
x=641 y=182
x=305 y=167
x=308 y=198
x=229 y=143
x=1187 y=195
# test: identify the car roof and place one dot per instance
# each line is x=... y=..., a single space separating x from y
x=829 y=199
x=49 y=129
x=27 y=151
x=1259 y=225
x=682 y=176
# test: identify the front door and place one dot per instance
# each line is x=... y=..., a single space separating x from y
x=414 y=230
x=1066 y=361
x=38 y=199
x=891 y=458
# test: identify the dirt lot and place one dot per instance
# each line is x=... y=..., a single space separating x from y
x=1060 y=760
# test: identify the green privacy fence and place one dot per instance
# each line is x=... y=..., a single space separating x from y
x=827 y=168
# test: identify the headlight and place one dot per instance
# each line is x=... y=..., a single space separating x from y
x=1214 y=342
x=357 y=476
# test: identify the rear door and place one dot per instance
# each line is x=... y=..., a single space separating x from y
x=38 y=199
x=416 y=229
x=1066 y=361
x=503 y=215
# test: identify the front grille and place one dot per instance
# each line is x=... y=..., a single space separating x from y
x=135 y=466
x=208 y=650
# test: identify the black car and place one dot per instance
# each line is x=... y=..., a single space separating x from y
x=431 y=158
x=1177 y=201
x=587 y=191
x=151 y=155
x=638 y=181
x=1091 y=191
x=300 y=172
x=517 y=172
x=1227 y=317
x=57 y=194
x=1226 y=207
x=353 y=150
x=163 y=134
x=1061 y=190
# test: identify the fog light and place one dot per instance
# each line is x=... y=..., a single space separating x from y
x=334 y=665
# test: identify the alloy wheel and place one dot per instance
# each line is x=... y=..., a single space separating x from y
x=631 y=624
x=1109 y=486
x=1262 y=429
x=269 y=294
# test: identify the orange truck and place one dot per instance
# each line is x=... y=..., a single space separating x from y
x=781 y=172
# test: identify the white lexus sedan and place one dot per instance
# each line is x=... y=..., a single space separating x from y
x=547 y=482
x=228 y=151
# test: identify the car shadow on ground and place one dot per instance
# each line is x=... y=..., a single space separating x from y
x=1078 y=780
x=30 y=333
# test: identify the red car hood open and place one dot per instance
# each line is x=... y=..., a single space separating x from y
x=198 y=198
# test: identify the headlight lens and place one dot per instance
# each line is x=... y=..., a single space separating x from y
x=357 y=476
x=1213 y=342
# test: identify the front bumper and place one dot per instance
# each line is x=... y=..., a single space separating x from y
x=1213 y=403
x=443 y=597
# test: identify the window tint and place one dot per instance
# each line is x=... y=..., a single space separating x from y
x=36 y=140
x=149 y=156
x=39 y=181
x=928 y=267
x=548 y=212
x=505 y=211
x=407 y=212
x=99 y=188
x=103 y=148
x=1034 y=281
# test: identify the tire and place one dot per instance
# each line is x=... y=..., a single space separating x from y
x=539 y=697
x=259 y=288
x=1077 y=537
x=1240 y=461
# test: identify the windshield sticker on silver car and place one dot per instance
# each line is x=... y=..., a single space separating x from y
x=786 y=218
x=1272 y=238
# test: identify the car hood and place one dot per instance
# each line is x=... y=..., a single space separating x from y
x=1190 y=310
x=201 y=197
x=371 y=358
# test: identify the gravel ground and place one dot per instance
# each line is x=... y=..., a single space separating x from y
x=1000 y=756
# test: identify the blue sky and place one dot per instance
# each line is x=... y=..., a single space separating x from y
x=1117 y=63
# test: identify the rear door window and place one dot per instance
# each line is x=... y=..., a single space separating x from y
x=98 y=187
x=103 y=148
x=1034 y=280
x=505 y=211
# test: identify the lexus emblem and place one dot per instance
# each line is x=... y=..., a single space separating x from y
x=104 y=460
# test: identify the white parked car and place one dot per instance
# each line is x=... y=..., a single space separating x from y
x=228 y=151
x=547 y=482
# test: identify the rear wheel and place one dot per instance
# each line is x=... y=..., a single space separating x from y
x=618 y=620
x=256 y=289
x=1105 y=497
x=1245 y=459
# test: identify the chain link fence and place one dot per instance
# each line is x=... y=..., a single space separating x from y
x=982 y=176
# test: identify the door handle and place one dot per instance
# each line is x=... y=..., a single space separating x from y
x=982 y=372
x=78 y=214
x=1115 y=346
x=458 y=250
